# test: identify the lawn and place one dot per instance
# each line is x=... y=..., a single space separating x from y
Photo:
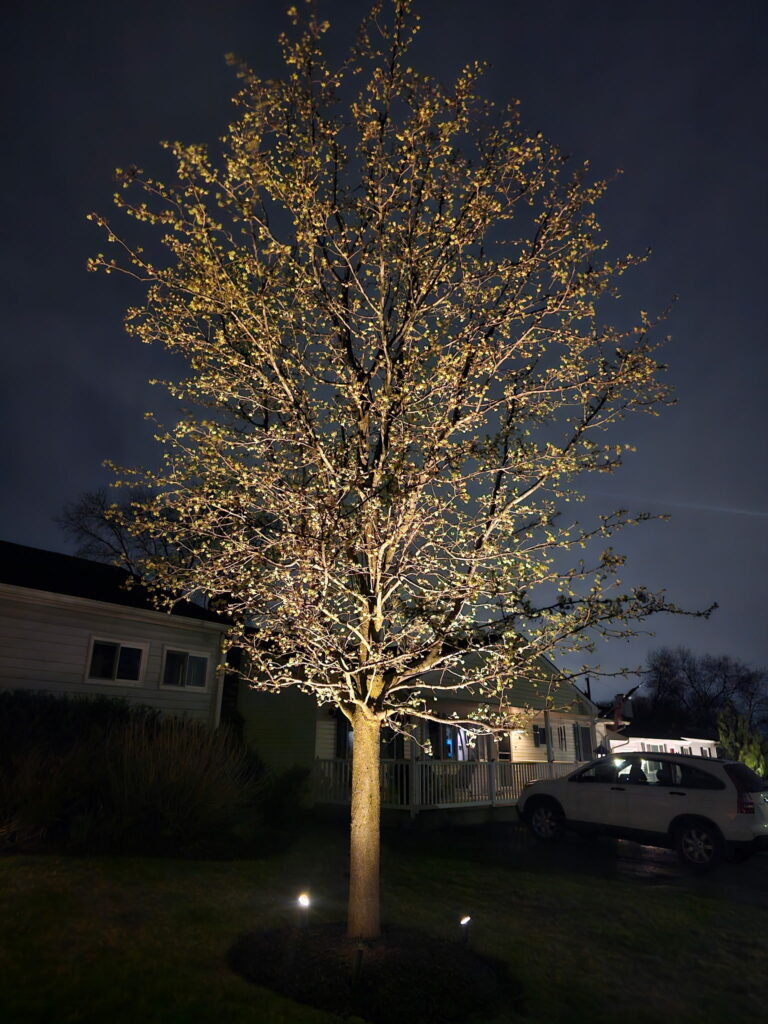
x=119 y=940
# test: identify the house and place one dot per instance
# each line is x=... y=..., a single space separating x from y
x=76 y=627
x=640 y=737
x=428 y=764
x=72 y=626
x=621 y=728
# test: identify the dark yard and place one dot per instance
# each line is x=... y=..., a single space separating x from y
x=587 y=930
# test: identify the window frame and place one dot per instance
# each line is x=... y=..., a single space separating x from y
x=539 y=735
x=189 y=652
x=142 y=645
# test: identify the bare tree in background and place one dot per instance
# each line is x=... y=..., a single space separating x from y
x=689 y=690
x=105 y=530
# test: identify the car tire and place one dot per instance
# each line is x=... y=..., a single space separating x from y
x=699 y=845
x=546 y=820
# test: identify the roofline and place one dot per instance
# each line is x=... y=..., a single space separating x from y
x=51 y=597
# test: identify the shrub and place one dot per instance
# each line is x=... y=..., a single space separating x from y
x=180 y=781
x=283 y=796
x=98 y=774
x=55 y=723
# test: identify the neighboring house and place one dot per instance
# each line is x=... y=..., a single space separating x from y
x=433 y=765
x=71 y=626
x=640 y=737
x=621 y=728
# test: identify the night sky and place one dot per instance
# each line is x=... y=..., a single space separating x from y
x=672 y=92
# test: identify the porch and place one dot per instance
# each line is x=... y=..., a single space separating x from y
x=419 y=785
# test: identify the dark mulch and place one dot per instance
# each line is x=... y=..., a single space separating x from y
x=405 y=976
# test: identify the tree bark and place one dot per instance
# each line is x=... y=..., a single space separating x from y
x=363 y=920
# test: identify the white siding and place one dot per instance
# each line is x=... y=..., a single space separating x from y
x=325 y=735
x=45 y=641
x=524 y=749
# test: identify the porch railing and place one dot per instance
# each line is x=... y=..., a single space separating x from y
x=419 y=785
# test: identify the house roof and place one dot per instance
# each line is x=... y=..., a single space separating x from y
x=55 y=573
x=653 y=730
x=547 y=691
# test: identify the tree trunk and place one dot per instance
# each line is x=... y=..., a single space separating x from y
x=363 y=918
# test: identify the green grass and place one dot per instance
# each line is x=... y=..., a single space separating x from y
x=86 y=940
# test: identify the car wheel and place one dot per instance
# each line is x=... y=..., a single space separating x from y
x=699 y=845
x=546 y=820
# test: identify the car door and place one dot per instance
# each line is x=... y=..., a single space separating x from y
x=595 y=796
x=673 y=787
x=651 y=794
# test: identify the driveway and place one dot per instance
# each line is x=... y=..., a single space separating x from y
x=644 y=865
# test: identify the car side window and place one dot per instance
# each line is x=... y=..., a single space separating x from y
x=695 y=778
x=603 y=771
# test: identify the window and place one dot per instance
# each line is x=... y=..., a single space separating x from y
x=562 y=738
x=603 y=771
x=185 y=669
x=745 y=780
x=539 y=736
x=117 y=662
x=582 y=742
x=695 y=778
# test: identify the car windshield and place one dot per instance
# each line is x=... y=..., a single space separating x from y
x=745 y=780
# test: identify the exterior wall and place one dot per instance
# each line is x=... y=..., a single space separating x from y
x=280 y=727
x=325 y=734
x=524 y=748
x=45 y=643
x=698 y=747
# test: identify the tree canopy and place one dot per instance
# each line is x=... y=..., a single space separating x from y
x=391 y=302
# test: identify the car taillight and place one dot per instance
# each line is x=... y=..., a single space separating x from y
x=745 y=804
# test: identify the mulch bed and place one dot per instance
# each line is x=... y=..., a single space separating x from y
x=403 y=976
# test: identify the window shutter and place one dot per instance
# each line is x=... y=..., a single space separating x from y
x=586 y=743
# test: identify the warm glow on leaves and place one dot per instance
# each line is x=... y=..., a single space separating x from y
x=387 y=295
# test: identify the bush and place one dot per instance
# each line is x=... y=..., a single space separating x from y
x=178 y=782
x=55 y=724
x=99 y=775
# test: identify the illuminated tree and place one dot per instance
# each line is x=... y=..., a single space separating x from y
x=742 y=741
x=386 y=294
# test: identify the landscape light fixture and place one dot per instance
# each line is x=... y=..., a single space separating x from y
x=465 y=928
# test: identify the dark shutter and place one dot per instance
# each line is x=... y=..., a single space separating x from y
x=342 y=735
x=586 y=743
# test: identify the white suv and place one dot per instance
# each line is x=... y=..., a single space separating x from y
x=703 y=807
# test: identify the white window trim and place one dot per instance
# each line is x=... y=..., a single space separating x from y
x=142 y=645
x=181 y=649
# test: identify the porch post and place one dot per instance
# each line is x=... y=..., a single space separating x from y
x=550 y=751
x=413 y=768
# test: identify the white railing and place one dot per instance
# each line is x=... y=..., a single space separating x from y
x=418 y=785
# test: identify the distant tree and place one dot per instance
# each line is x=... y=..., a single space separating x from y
x=106 y=530
x=691 y=691
x=739 y=740
x=387 y=295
